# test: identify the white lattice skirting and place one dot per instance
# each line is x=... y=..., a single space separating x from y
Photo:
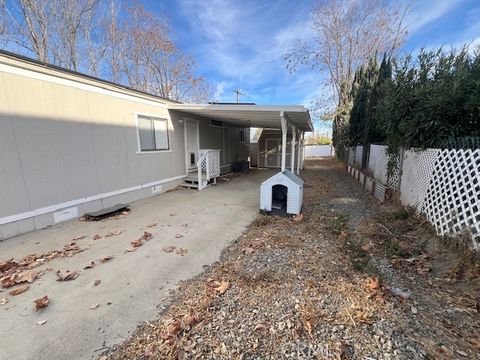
x=445 y=186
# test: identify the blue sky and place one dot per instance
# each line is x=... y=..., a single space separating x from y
x=240 y=44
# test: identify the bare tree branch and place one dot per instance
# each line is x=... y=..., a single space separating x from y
x=347 y=34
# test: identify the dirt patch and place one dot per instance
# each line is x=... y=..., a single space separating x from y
x=324 y=287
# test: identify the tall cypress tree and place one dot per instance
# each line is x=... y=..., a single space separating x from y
x=364 y=128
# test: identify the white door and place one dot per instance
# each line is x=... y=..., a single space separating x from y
x=191 y=141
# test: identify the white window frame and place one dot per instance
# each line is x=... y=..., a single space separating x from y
x=155 y=118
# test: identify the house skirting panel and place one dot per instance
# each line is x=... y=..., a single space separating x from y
x=41 y=218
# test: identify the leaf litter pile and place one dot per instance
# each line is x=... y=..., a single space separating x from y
x=17 y=273
x=13 y=272
x=298 y=288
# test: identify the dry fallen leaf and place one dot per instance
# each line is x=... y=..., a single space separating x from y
x=80 y=237
x=42 y=302
x=137 y=243
x=97 y=282
x=298 y=217
x=373 y=283
x=20 y=289
x=106 y=258
x=152 y=225
x=41 y=322
x=149 y=351
x=169 y=249
x=178 y=236
x=90 y=266
x=96 y=237
x=248 y=250
x=7 y=265
x=423 y=269
x=366 y=247
x=114 y=233
x=259 y=327
x=3 y=301
x=147 y=236
x=8 y=281
x=190 y=320
x=27 y=276
x=221 y=286
x=308 y=327
x=181 y=251
x=93 y=307
x=69 y=275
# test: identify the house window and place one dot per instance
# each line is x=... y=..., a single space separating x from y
x=242 y=136
x=152 y=133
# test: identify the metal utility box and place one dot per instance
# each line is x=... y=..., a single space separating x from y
x=282 y=193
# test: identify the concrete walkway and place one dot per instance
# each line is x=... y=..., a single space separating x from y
x=134 y=285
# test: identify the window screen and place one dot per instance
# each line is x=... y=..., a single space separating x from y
x=153 y=133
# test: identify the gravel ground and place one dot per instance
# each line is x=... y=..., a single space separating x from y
x=292 y=289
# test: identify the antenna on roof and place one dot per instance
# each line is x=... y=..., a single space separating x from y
x=238 y=92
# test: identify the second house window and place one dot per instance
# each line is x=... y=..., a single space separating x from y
x=152 y=133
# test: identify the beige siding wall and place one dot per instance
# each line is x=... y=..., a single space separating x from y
x=226 y=139
x=59 y=144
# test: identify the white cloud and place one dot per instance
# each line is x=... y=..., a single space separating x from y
x=245 y=41
x=423 y=13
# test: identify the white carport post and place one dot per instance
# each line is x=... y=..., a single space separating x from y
x=299 y=152
x=292 y=154
x=283 y=122
x=303 y=152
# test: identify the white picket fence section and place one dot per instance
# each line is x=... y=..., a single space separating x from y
x=313 y=151
x=442 y=184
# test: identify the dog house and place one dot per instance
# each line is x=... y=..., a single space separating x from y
x=282 y=194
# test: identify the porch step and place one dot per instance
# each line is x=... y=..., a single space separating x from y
x=191 y=181
x=193 y=176
x=190 y=185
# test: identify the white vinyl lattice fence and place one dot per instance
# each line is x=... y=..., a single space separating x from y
x=417 y=169
x=452 y=200
x=444 y=185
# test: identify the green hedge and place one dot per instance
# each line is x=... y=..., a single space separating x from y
x=432 y=101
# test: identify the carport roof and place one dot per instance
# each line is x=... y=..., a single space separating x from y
x=261 y=116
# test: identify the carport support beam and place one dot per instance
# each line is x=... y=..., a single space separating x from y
x=292 y=154
x=299 y=152
x=283 y=122
x=303 y=151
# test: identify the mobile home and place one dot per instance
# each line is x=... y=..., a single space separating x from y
x=71 y=143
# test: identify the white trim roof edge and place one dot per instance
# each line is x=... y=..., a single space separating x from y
x=33 y=70
x=248 y=108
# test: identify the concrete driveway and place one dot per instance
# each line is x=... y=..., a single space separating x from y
x=134 y=285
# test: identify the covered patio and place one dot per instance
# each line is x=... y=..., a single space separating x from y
x=293 y=120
